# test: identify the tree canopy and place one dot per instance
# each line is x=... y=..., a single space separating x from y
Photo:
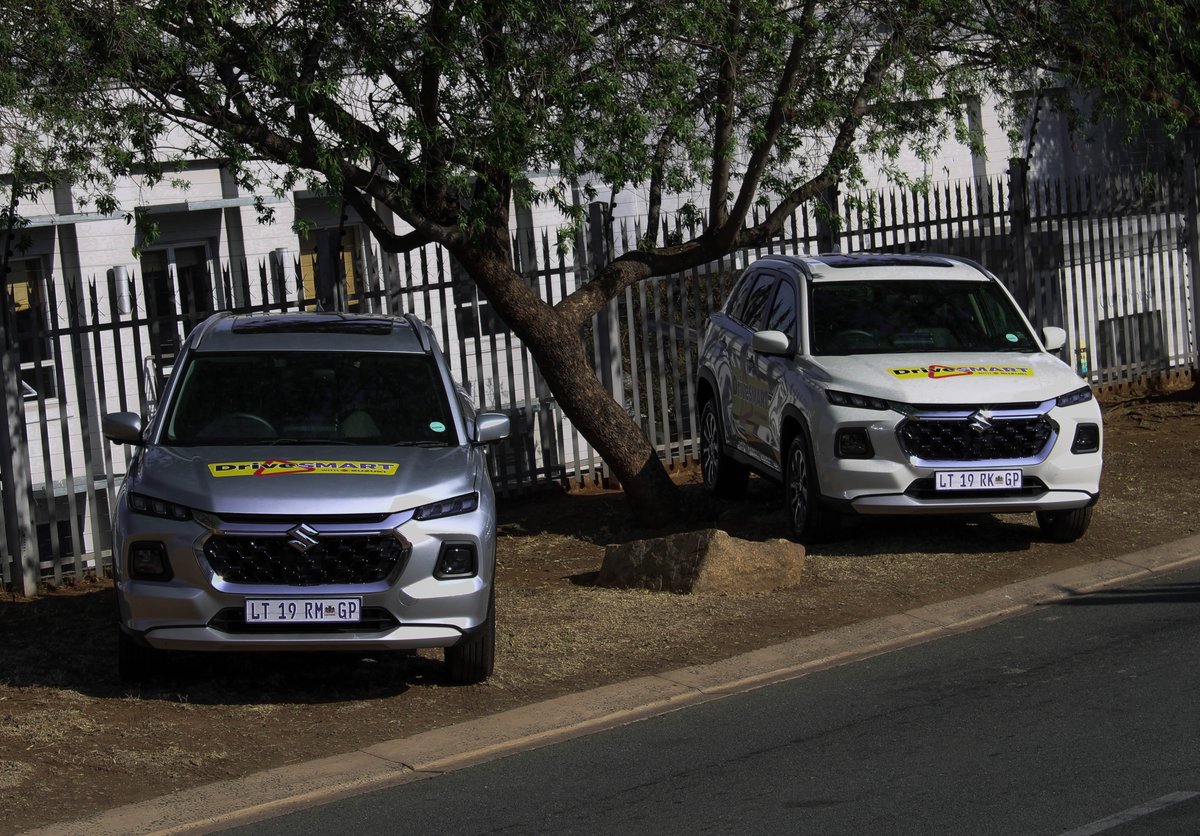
x=446 y=115
x=1140 y=59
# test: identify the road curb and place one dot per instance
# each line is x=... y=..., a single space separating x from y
x=299 y=786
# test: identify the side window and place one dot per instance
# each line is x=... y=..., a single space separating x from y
x=782 y=316
x=754 y=316
x=737 y=296
x=326 y=259
x=26 y=290
x=475 y=316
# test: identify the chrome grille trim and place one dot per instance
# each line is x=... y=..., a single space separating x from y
x=1010 y=436
x=333 y=560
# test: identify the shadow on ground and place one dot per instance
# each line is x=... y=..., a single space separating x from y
x=67 y=640
x=602 y=518
x=1168 y=593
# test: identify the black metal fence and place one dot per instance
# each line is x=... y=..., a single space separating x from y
x=1112 y=259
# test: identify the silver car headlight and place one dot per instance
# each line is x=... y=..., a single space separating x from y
x=464 y=504
x=142 y=504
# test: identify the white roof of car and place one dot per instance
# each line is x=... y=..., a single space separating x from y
x=875 y=266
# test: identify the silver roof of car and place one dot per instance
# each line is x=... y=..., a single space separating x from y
x=310 y=331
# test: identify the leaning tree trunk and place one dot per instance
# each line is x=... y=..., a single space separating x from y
x=557 y=346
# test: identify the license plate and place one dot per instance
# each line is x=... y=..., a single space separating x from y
x=303 y=610
x=978 y=480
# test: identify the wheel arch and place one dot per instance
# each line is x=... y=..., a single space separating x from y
x=792 y=423
x=706 y=388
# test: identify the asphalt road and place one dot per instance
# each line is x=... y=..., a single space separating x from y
x=1079 y=717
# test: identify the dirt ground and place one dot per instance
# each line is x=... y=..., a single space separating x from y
x=73 y=740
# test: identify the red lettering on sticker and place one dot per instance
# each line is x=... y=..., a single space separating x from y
x=276 y=464
x=938 y=372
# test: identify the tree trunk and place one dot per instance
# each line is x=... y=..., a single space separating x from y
x=557 y=347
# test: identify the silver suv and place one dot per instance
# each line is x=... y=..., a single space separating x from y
x=880 y=384
x=311 y=481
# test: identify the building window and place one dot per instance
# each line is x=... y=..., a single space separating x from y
x=177 y=288
x=322 y=272
x=473 y=314
x=26 y=288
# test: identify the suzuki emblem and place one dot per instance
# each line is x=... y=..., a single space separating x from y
x=980 y=422
x=304 y=537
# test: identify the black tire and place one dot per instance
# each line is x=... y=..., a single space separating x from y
x=135 y=662
x=808 y=520
x=723 y=476
x=1065 y=526
x=472 y=660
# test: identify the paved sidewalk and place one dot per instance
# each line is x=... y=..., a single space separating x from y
x=285 y=789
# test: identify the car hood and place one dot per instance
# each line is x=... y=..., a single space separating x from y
x=951 y=378
x=309 y=480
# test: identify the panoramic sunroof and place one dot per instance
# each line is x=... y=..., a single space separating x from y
x=331 y=324
x=839 y=261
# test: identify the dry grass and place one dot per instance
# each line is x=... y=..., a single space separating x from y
x=73 y=740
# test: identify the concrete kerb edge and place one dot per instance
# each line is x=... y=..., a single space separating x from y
x=391 y=763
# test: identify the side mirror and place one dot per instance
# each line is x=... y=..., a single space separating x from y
x=1054 y=337
x=122 y=427
x=771 y=342
x=490 y=426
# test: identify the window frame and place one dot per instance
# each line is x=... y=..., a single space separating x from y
x=353 y=262
x=41 y=368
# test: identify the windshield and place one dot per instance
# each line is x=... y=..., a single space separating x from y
x=310 y=398
x=908 y=317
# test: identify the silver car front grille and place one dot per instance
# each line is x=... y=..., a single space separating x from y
x=327 y=560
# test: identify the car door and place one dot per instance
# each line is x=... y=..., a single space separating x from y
x=750 y=393
x=725 y=343
x=770 y=371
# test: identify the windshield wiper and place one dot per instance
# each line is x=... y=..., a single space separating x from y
x=420 y=444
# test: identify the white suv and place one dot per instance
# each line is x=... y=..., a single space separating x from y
x=889 y=384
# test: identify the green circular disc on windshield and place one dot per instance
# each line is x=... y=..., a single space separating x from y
x=437 y=426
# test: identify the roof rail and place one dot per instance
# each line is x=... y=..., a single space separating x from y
x=420 y=329
x=201 y=331
x=968 y=262
x=800 y=262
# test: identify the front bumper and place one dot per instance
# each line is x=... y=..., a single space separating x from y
x=404 y=637
x=198 y=609
x=902 y=504
x=893 y=481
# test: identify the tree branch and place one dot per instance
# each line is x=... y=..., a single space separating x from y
x=724 y=234
x=725 y=110
x=388 y=239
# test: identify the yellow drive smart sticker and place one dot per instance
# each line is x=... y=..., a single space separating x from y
x=287 y=467
x=935 y=372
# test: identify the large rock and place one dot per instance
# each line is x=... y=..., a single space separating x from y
x=707 y=561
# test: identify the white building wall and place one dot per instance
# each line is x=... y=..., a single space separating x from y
x=73 y=240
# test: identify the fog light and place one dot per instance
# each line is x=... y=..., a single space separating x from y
x=457 y=560
x=148 y=562
x=1087 y=439
x=853 y=443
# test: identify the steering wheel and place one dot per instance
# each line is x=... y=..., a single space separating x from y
x=233 y=422
x=250 y=418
